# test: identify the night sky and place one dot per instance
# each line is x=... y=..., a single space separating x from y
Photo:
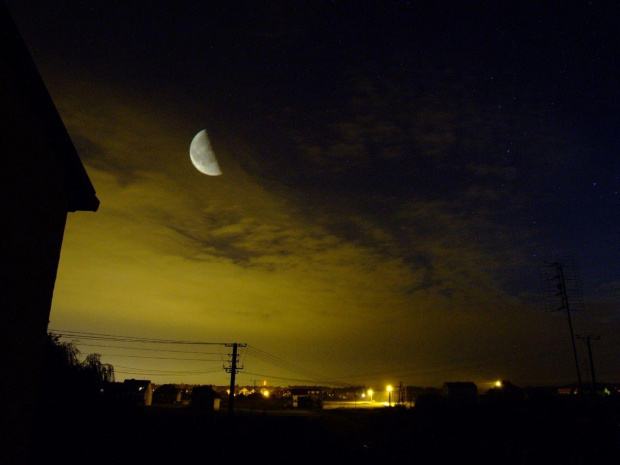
x=394 y=174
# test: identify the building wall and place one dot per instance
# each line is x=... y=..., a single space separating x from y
x=33 y=216
x=33 y=212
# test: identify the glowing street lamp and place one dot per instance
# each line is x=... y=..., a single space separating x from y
x=370 y=393
x=389 y=390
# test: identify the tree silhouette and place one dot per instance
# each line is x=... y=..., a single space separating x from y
x=99 y=372
x=68 y=383
x=70 y=398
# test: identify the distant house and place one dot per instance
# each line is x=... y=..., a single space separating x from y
x=41 y=180
x=139 y=390
x=307 y=397
x=205 y=397
x=172 y=394
x=461 y=393
x=167 y=394
x=130 y=393
x=244 y=392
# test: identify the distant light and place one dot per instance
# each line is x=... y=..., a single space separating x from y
x=498 y=383
x=266 y=393
x=389 y=388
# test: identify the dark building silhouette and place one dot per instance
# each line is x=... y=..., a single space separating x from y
x=205 y=397
x=129 y=393
x=167 y=394
x=41 y=180
x=461 y=393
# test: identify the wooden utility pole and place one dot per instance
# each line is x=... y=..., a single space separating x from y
x=232 y=369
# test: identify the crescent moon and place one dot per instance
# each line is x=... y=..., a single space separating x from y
x=202 y=155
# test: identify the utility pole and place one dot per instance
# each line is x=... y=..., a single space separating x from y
x=400 y=393
x=561 y=292
x=588 y=340
x=232 y=369
x=564 y=295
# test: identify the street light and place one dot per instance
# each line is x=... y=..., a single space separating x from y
x=389 y=390
x=370 y=393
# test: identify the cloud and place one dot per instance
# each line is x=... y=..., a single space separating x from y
x=400 y=215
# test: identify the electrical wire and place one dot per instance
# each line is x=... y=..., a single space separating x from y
x=163 y=358
x=118 y=338
x=300 y=373
x=152 y=350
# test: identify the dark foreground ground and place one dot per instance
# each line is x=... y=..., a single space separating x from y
x=551 y=432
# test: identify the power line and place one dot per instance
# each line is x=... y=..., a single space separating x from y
x=163 y=358
x=152 y=350
x=120 y=338
x=181 y=372
x=144 y=371
x=78 y=336
x=300 y=373
x=250 y=351
x=283 y=364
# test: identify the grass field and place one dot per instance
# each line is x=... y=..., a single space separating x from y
x=556 y=432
